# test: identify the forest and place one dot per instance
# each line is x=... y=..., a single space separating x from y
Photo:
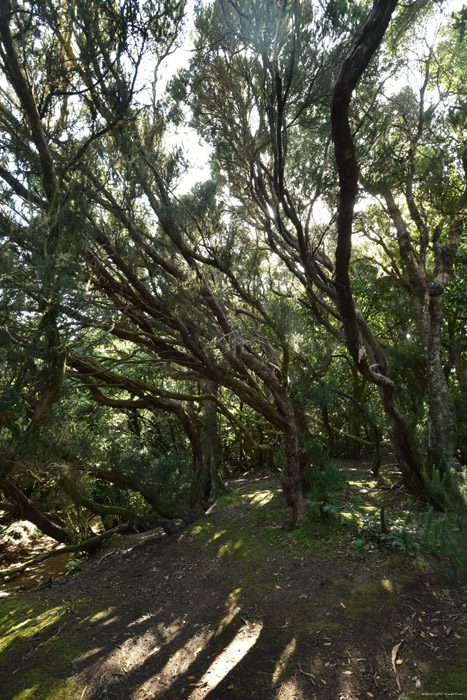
x=298 y=309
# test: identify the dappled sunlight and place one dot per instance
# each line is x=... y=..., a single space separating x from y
x=261 y=498
x=103 y=617
x=179 y=662
x=244 y=640
x=287 y=689
x=89 y=653
x=351 y=517
x=232 y=610
x=283 y=660
x=31 y=625
x=218 y=534
x=229 y=548
x=144 y=618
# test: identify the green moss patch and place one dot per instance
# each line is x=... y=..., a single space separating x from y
x=231 y=498
x=447 y=678
x=42 y=642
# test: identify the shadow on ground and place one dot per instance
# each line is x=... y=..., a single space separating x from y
x=237 y=606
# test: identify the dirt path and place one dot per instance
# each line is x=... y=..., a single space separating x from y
x=238 y=606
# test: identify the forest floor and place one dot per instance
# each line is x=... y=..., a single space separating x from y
x=240 y=606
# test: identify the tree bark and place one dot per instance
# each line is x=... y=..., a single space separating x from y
x=364 y=349
x=28 y=511
x=211 y=444
x=291 y=476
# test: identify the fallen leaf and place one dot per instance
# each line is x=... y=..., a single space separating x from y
x=422 y=634
x=328 y=663
x=329 y=644
x=399 y=661
x=323 y=681
x=342 y=604
x=395 y=651
x=230 y=687
x=457 y=636
x=277 y=586
x=434 y=593
x=191 y=678
x=370 y=695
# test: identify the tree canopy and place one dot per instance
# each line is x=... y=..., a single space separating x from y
x=305 y=303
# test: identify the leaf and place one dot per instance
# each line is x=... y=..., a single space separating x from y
x=277 y=586
x=399 y=661
x=370 y=695
x=323 y=681
x=394 y=653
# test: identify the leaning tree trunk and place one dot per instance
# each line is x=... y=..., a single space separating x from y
x=26 y=510
x=364 y=349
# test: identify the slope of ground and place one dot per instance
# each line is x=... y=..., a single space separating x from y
x=239 y=606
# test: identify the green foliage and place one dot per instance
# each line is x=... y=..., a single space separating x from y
x=74 y=567
x=322 y=484
x=173 y=472
x=447 y=490
x=432 y=534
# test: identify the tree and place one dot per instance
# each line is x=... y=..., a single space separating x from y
x=277 y=164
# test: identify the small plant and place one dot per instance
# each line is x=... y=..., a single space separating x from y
x=401 y=535
x=74 y=567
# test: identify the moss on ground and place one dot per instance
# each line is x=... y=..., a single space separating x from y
x=231 y=498
x=43 y=643
x=447 y=678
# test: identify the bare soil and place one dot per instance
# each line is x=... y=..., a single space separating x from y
x=238 y=606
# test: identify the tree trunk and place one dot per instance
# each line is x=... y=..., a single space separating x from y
x=442 y=437
x=363 y=347
x=291 y=477
x=211 y=446
x=355 y=416
x=28 y=511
